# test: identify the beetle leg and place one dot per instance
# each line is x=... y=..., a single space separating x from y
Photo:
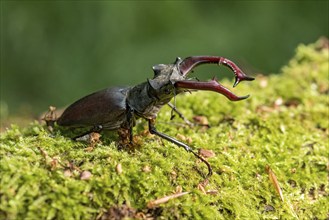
x=124 y=136
x=212 y=85
x=131 y=123
x=153 y=130
x=173 y=107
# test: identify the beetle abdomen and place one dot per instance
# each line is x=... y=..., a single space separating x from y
x=106 y=108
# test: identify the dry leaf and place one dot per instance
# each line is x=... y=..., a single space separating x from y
x=43 y=152
x=119 y=168
x=206 y=153
x=85 y=175
x=212 y=192
x=202 y=120
x=146 y=169
x=201 y=188
x=178 y=189
x=67 y=173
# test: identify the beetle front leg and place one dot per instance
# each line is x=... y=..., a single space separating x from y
x=126 y=131
x=173 y=107
x=153 y=130
x=131 y=123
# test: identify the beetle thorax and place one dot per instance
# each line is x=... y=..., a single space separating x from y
x=146 y=99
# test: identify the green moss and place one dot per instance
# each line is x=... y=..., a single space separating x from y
x=284 y=124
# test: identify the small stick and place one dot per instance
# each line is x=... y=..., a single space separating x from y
x=165 y=199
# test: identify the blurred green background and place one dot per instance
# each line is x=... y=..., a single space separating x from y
x=54 y=52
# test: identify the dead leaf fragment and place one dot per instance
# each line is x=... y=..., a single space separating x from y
x=92 y=139
x=85 y=175
x=146 y=169
x=67 y=173
x=206 y=153
x=50 y=117
x=258 y=177
x=184 y=138
x=201 y=188
x=178 y=189
x=212 y=192
x=119 y=212
x=278 y=102
x=53 y=163
x=119 y=168
x=274 y=181
x=89 y=149
x=173 y=175
x=43 y=153
x=269 y=208
x=263 y=82
x=95 y=137
x=201 y=120
x=204 y=182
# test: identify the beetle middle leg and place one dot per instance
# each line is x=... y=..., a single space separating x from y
x=126 y=131
x=125 y=137
x=153 y=130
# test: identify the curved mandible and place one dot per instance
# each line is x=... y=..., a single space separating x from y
x=191 y=62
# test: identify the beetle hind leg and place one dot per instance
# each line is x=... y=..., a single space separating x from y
x=154 y=131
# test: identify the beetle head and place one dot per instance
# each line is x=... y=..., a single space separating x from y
x=165 y=76
x=165 y=73
x=170 y=79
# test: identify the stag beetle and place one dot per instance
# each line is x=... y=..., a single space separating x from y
x=117 y=108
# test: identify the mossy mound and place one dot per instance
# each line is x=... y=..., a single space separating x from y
x=284 y=124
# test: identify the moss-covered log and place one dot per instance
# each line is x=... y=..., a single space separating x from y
x=284 y=124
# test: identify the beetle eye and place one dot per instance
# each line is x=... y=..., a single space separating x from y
x=167 y=91
x=157 y=69
x=178 y=60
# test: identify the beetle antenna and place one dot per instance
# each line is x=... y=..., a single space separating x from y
x=173 y=107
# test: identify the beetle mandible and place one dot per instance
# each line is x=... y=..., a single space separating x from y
x=118 y=108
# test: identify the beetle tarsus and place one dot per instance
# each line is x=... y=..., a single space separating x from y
x=154 y=131
x=204 y=161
